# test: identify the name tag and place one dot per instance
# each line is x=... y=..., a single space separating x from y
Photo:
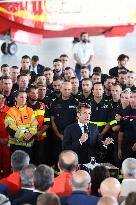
x=71 y=106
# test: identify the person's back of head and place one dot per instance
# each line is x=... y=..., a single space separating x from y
x=131 y=199
x=4 y=200
x=26 y=175
x=81 y=181
x=43 y=177
x=68 y=161
x=19 y=159
x=107 y=200
x=111 y=187
x=48 y=199
x=98 y=174
x=129 y=168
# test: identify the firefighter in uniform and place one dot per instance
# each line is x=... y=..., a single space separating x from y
x=21 y=125
x=63 y=113
x=5 y=167
x=41 y=112
x=86 y=95
x=127 y=133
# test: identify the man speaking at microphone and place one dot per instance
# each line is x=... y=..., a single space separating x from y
x=83 y=137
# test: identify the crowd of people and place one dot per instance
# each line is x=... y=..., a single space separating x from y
x=57 y=113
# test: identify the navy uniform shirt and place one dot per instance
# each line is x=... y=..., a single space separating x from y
x=100 y=113
x=82 y=99
x=64 y=112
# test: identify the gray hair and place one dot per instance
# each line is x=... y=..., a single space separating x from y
x=129 y=167
x=27 y=177
x=43 y=177
x=19 y=159
x=4 y=200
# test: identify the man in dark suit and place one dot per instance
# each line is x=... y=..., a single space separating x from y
x=81 y=184
x=43 y=180
x=35 y=66
x=83 y=137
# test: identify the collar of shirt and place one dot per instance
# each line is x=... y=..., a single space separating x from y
x=81 y=125
x=33 y=69
x=27 y=188
x=36 y=190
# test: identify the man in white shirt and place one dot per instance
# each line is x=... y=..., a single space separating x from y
x=83 y=53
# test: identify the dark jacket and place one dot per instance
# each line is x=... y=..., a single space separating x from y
x=79 y=198
x=85 y=151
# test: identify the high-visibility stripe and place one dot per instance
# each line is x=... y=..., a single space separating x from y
x=113 y=122
x=99 y=124
x=46 y=119
x=39 y=112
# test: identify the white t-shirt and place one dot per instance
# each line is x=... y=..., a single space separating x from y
x=83 y=50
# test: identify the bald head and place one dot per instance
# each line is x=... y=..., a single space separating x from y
x=80 y=180
x=110 y=187
x=108 y=200
x=68 y=161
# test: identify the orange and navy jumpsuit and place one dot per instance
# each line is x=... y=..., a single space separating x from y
x=41 y=145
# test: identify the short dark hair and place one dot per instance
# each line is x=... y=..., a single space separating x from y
x=56 y=60
x=15 y=67
x=97 y=69
x=47 y=69
x=43 y=177
x=35 y=58
x=123 y=72
x=82 y=33
x=19 y=159
x=18 y=92
x=97 y=74
x=26 y=72
x=85 y=79
x=97 y=83
x=26 y=57
x=4 y=65
x=31 y=87
x=84 y=67
x=68 y=68
x=117 y=84
x=64 y=55
x=48 y=198
x=6 y=78
x=55 y=78
x=122 y=56
x=82 y=105
x=67 y=166
x=21 y=75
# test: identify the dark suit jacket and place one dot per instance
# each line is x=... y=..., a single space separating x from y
x=28 y=198
x=40 y=69
x=79 y=198
x=19 y=195
x=85 y=151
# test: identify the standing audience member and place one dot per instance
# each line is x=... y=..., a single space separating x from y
x=83 y=53
x=19 y=159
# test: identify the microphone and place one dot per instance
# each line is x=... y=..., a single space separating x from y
x=86 y=130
